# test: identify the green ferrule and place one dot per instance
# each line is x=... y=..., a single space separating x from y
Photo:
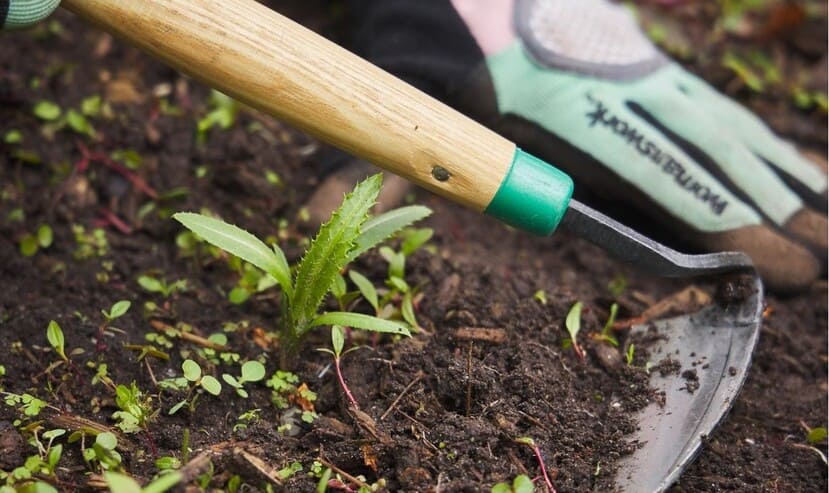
x=15 y=14
x=533 y=196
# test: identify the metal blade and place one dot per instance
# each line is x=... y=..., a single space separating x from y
x=718 y=343
x=630 y=247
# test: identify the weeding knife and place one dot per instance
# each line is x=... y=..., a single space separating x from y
x=273 y=64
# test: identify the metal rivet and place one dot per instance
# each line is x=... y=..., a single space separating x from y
x=440 y=173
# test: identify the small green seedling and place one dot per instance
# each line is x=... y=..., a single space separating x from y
x=607 y=331
x=195 y=381
x=160 y=286
x=31 y=243
x=117 y=310
x=573 y=325
x=28 y=404
x=252 y=371
x=529 y=442
x=629 y=354
x=816 y=436
x=135 y=409
x=521 y=484
x=337 y=343
x=345 y=236
x=54 y=335
x=222 y=114
x=123 y=483
x=103 y=452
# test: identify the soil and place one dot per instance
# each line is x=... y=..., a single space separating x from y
x=440 y=411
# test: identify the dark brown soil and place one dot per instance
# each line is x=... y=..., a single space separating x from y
x=439 y=412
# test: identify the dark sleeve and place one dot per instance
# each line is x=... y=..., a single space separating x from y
x=424 y=42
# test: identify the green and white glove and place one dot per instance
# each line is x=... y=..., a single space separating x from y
x=577 y=83
x=18 y=14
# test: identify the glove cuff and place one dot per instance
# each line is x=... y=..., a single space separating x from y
x=17 y=14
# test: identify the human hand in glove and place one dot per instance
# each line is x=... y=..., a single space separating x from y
x=577 y=83
x=17 y=14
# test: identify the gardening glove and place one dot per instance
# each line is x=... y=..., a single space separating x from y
x=17 y=14
x=577 y=83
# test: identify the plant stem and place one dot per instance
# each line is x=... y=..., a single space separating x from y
x=549 y=483
x=343 y=384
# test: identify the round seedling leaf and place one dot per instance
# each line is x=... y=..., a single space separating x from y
x=211 y=385
x=121 y=482
x=192 y=370
x=47 y=110
x=106 y=440
x=253 y=371
x=44 y=236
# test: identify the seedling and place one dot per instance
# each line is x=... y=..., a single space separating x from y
x=246 y=418
x=123 y=483
x=222 y=114
x=195 y=381
x=103 y=452
x=629 y=354
x=54 y=335
x=285 y=392
x=161 y=286
x=337 y=343
x=31 y=243
x=117 y=310
x=135 y=409
x=529 y=442
x=252 y=371
x=89 y=244
x=573 y=325
x=344 y=237
x=28 y=404
x=521 y=484
x=607 y=331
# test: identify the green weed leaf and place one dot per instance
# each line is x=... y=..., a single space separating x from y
x=573 y=321
x=239 y=242
x=385 y=225
x=211 y=385
x=330 y=251
x=55 y=336
x=253 y=371
x=47 y=110
x=360 y=321
x=118 y=309
x=816 y=435
x=366 y=288
x=192 y=370
x=414 y=239
x=121 y=482
x=337 y=340
x=44 y=236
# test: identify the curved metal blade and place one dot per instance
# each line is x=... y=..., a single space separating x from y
x=716 y=343
x=626 y=245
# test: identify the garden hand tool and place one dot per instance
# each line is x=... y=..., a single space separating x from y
x=577 y=83
x=271 y=63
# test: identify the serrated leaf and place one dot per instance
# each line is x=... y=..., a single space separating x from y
x=329 y=252
x=366 y=288
x=211 y=385
x=384 y=226
x=361 y=321
x=338 y=287
x=239 y=242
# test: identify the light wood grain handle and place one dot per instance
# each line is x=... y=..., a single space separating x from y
x=271 y=63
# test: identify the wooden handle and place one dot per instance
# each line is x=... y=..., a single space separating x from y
x=271 y=63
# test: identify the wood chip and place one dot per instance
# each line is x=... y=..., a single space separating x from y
x=494 y=336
